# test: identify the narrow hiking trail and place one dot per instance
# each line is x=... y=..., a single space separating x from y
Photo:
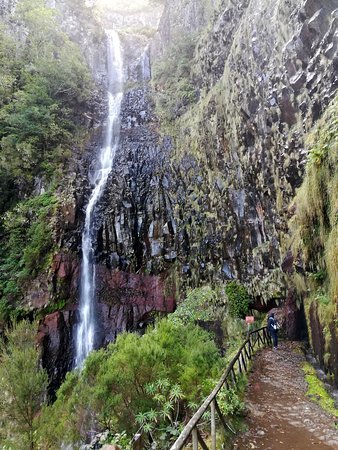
x=280 y=415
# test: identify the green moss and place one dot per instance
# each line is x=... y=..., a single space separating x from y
x=56 y=306
x=317 y=392
x=202 y=303
x=172 y=80
x=314 y=226
x=9 y=313
x=29 y=242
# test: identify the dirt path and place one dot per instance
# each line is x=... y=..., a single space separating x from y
x=280 y=416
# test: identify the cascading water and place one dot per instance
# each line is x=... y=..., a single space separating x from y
x=86 y=327
x=145 y=60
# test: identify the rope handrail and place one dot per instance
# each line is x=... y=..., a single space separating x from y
x=261 y=337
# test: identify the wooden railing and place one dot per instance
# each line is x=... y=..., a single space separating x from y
x=238 y=365
x=138 y=442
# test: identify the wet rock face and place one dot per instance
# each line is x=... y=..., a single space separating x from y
x=7 y=7
x=134 y=282
x=81 y=24
x=128 y=301
x=290 y=316
x=215 y=205
x=269 y=71
x=138 y=229
x=317 y=334
x=324 y=342
x=295 y=321
x=180 y=18
x=333 y=363
x=55 y=339
x=135 y=246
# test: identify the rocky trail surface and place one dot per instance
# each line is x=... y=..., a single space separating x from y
x=280 y=415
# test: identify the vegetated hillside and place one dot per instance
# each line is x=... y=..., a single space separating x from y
x=148 y=383
x=46 y=91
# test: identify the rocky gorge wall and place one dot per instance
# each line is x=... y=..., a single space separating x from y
x=264 y=73
x=205 y=198
x=128 y=293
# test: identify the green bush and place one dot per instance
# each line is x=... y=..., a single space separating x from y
x=138 y=376
x=23 y=386
x=230 y=402
x=238 y=299
x=44 y=85
x=203 y=303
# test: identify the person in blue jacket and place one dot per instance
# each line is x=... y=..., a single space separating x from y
x=273 y=329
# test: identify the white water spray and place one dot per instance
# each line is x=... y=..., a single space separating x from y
x=86 y=327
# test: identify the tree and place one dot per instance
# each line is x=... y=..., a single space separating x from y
x=23 y=385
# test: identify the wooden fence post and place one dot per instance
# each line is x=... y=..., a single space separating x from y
x=213 y=425
x=229 y=378
x=244 y=362
x=138 y=442
x=194 y=439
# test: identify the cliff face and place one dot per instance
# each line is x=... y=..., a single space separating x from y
x=207 y=199
x=265 y=72
x=128 y=293
x=263 y=75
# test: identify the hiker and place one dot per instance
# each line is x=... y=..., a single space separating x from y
x=273 y=329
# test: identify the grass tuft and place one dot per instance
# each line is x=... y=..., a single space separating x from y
x=317 y=392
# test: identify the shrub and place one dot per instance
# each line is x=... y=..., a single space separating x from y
x=44 y=86
x=172 y=79
x=238 y=299
x=203 y=303
x=28 y=244
x=131 y=378
x=23 y=387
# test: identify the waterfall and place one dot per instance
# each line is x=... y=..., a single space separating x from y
x=86 y=327
x=145 y=61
